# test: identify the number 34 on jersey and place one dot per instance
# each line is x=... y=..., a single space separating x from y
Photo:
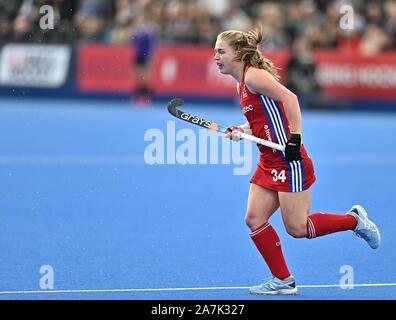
x=278 y=176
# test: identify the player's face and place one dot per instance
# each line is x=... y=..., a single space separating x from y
x=224 y=56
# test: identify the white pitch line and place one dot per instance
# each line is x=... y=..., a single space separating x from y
x=65 y=159
x=349 y=285
x=188 y=289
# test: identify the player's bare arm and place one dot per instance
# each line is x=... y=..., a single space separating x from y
x=262 y=82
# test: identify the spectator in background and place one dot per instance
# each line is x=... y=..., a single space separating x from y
x=23 y=27
x=271 y=19
x=208 y=18
x=8 y=12
x=9 y=8
x=301 y=73
x=206 y=25
x=24 y=17
x=330 y=26
x=294 y=25
x=6 y=28
x=390 y=22
x=198 y=21
x=216 y=8
x=178 y=24
x=90 y=20
x=63 y=12
x=374 y=39
x=144 y=37
x=122 y=28
x=313 y=26
x=349 y=37
x=373 y=14
x=235 y=19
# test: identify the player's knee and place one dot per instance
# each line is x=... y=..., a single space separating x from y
x=297 y=231
x=254 y=221
x=250 y=221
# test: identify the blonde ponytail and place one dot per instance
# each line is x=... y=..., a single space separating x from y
x=246 y=46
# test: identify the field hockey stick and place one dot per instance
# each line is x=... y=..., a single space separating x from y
x=211 y=125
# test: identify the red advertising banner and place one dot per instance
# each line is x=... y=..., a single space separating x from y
x=105 y=68
x=175 y=70
x=342 y=75
x=183 y=70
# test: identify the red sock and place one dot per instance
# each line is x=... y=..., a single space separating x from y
x=320 y=224
x=268 y=243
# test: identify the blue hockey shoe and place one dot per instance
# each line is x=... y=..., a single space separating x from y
x=365 y=229
x=275 y=286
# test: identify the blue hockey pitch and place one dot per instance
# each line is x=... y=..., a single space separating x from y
x=87 y=215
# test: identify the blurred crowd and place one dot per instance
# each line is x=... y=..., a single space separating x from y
x=285 y=23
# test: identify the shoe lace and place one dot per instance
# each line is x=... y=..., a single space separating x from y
x=270 y=283
x=267 y=281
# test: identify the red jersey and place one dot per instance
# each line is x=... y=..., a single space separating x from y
x=268 y=120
